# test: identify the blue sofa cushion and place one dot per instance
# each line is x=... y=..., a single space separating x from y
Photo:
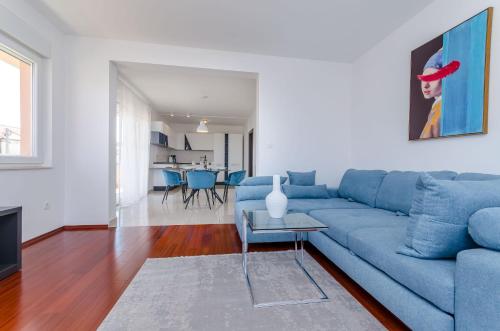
x=341 y=222
x=306 y=205
x=440 y=213
x=397 y=189
x=477 y=289
x=361 y=185
x=258 y=192
x=476 y=176
x=484 y=228
x=333 y=192
x=306 y=192
x=261 y=180
x=433 y=280
x=302 y=178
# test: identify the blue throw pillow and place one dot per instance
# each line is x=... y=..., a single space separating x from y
x=306 y=192
x=484 y=228
x=397 y=189
x=440 y=213
x=260 y=180
x=302 y=178
x=361 y=185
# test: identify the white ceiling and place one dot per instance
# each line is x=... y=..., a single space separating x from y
x=333 y=30
x=221 y=97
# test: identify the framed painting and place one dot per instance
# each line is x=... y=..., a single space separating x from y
x=449 y=81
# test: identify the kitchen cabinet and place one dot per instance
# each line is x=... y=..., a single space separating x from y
x=158 y=138
x=162 y=127
x=219 y=154
x=176 y=141
x=201 y=141
x=235 y=152
x=232 y=148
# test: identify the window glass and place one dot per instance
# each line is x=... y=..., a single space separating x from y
x=16 y=114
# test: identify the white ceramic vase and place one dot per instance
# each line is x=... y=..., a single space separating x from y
x=276 y=201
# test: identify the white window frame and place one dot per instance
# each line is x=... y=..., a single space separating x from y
x=16 y=49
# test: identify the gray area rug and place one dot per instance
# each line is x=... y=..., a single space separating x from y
x=210 y=293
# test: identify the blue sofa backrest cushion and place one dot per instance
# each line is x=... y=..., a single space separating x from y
x=397 y=189
x=306 y=192
x=261 y=180
x=361 y=185
x=302 y=178
x=440 y=214
x=258 y=192
x=484 y=228
x=476 y=176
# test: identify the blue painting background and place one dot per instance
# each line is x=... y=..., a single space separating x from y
x=463 y=91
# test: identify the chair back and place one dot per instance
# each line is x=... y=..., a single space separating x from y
x=172 y=178
x=235 y=178
x=200 y=180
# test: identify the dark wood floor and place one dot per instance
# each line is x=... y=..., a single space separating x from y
x=71 y=280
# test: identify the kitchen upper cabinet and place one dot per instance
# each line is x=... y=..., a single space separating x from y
x=219 y=154
x=176 y=141
x=201 y=141
x=235 y=152
x=162 y=127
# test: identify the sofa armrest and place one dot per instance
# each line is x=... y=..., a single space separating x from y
x=333 y=192
x=477 y=290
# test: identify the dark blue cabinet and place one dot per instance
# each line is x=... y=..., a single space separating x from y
x=158 y=138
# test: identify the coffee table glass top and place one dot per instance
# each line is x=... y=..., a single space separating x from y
x=259 y=220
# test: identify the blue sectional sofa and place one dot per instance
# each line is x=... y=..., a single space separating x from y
x=367 y=217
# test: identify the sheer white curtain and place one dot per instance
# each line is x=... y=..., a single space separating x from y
x=134 y=116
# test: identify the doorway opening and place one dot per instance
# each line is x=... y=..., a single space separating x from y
x=199 y=125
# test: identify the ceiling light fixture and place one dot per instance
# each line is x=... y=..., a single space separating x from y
x=202 y=128
x=188 y=115
x=171 y=114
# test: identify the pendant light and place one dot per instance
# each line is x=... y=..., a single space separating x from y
x=202 y=128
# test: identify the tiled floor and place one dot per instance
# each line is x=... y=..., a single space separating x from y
x=150 y=211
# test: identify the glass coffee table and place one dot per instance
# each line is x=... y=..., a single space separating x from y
x=259 y=221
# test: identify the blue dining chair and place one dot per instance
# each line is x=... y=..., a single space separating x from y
x=173 y=179
x=199 y=180
x=233 y=179
x=214 y=191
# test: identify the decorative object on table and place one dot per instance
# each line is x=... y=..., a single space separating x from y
x=173 y=179
x=276 y=201
x=10 y=240
x=233 y=179
x=449 y=81
x=302 y=178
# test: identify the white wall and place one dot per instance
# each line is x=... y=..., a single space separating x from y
x=303 y=111
x=32 y=188
x=381 y=99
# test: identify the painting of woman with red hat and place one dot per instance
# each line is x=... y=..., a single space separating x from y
x=449 y=82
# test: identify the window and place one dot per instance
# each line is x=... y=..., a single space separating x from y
x=22 y=106
x=16 y=105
